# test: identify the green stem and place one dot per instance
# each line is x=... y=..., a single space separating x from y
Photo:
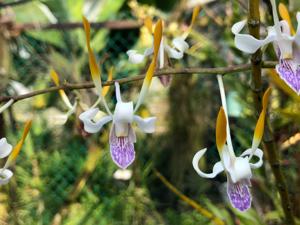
x=270 y=146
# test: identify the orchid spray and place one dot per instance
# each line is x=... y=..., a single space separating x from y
x=122 y=136
x=237 y=169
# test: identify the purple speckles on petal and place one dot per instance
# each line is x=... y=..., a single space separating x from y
x=289 y=71
x=121 y=149
x=239 y=195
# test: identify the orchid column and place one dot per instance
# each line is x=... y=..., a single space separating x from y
x=269 y=143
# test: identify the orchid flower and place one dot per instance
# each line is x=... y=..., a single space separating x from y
x=7 y=150
x=237 y=169
x=62 y=119
x=179 y=47
x=122 y=136
x=286 y=45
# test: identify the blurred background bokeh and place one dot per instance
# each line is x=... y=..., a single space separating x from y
x=64 y=176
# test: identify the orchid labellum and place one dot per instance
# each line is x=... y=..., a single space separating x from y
x=237 y=169
x=286 y=44
x=179 y=47
x=62 y=119
x=122 y=136
x=7 y=150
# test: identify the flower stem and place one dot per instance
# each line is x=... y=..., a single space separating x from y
x=270 y=146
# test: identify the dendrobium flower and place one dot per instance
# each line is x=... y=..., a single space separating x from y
x=286 y=44
x=62 y=119
x=237 y=169
x=179 y=47
x=7 y=150
x=122 y=136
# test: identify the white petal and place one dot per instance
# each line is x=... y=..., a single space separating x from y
x=147 y=125
x=246 y=42
x=173 y=53
x=180 y=44
x=218 y=167
x=258 y=153
x=89 y=125
x=136 y=58
x=5 y=175
x=123 y=112
x=5 y=148
x=297 y=36
x=240 y=170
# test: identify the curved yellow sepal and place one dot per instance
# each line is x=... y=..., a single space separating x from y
x=109 y=78
x=148 y=24
x=221 y=133
x=95 y=71
x=62 y=93
x=15 y=152
x=266 y=98
x=284 y=14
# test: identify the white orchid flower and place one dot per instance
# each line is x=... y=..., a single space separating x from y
x=63 y=118
x=237 y=169
x=122 y=136
x=175 y=51
x=7 y=150
x=287 y=46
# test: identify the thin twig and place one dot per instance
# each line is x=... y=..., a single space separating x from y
x=171 y=72
x=112 y=25
x=209 y=215
x=270 y=146
x=2 y=5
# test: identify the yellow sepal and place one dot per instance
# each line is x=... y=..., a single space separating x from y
x=15 y=152
x=260 y=125
x=148 y=24
x=109 y=78
x=94 y=68
x=62 y=93
x=221 y=130
x=196 y=12
x=284 y=13
x=266 y=98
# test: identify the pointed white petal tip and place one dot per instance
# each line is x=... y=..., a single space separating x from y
x=258 y=153
x=5 y=148
x=87 y=118
x=147 y=125
x=218 y=167
x=5 y=175
x=135 y=57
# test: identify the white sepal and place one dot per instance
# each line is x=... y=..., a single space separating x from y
x=218 y=167
x=5 y=175
x=87 y=118
x=5 y=148
x=147 y=125
x=258 y=153
x=297 y=35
